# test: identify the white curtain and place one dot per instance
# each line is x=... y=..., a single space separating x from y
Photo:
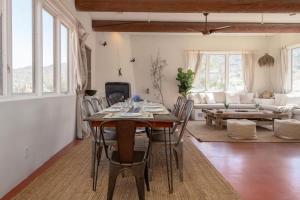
x=284 y=72
x=194 y=60
x=248 y=71
x=81 y=75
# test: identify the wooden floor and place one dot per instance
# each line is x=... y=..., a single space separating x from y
x=260 y=171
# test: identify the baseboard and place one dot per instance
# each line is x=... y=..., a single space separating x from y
x=40 y=170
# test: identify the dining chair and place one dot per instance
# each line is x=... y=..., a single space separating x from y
x=96 y=103
x=115 y=98
x=97 y=144
x=104 y=102
x=178 y=131
x=127 y=157
x=178 y=106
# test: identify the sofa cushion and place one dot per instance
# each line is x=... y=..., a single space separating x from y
x=209 y=106
x=264 y=101
x=233 y=98
x=280 y=99
x=220 y=97
x=210 y=98
x=242 y=106
x=247 y=98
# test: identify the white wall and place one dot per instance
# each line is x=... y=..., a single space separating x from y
x=117 y=54
x=172 y=47
x=32 y=131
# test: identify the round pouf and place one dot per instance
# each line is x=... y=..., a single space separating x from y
x=287 y=129
x=241 y=129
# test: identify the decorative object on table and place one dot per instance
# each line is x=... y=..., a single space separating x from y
x=226 y=105
x=157 y=66
x=147 y=91
x=137 y=98
x=132 y=60
x=186 y=80
x=266 y=95
x=120 y=72
x=257 y=106
x=266 y=61
x=220 y=111
x=90 y=92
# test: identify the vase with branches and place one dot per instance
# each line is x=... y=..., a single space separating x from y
x=157 y=66
x=185 y=79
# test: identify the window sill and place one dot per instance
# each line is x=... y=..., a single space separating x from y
x=33 y=97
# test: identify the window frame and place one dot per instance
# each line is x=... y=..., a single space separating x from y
x=61 y=15
x=226 y=70
x=290 y=65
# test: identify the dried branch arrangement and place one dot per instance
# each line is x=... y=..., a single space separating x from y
x=157 y=66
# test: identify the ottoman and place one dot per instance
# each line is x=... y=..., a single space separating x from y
x=287 y=129
x=241 y=129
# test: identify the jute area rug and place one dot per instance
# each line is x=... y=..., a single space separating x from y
x=69 y=179
x=204 y=133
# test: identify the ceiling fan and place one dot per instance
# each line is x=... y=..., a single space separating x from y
x=208 y=31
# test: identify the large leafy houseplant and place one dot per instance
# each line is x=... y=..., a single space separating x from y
x=185 y=79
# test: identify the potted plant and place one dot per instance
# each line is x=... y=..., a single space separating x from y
x=186 y=79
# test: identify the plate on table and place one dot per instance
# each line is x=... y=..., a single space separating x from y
x=153 y=109
x=130 y=114
x=113 y=109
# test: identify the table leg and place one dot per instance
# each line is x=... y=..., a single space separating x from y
x=167 y=161
x=171 y=167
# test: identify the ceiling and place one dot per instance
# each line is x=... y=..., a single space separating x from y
x=198 y=17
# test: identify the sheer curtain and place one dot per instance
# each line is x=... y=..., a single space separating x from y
x=248 y=71
x=81 y=75
x=284 y=72
x=194 y=60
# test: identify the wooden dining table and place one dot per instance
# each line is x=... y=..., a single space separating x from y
x=158 y=121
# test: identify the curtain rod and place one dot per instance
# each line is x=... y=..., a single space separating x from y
x=217 y=51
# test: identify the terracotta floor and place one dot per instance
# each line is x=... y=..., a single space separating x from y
x=261 y=171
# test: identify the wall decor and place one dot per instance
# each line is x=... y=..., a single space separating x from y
x=266 y=61
x=132 y=60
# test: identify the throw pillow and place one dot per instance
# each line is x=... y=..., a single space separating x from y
x=210 y=99
x=233 y=98
x=280 y=99
x=202 y=97
x=247 y=98
x=219 y=97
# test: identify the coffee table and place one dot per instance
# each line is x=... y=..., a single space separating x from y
x=220 y=116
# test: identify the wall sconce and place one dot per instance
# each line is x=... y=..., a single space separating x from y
x=132 y=60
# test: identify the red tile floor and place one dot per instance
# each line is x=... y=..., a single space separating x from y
x=257 y=171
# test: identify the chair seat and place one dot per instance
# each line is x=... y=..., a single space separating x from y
x=138 y=156
x=159 y=136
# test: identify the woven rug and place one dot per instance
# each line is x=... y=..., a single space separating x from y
x=69 y=179
x=204 y=133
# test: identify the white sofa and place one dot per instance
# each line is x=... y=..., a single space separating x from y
x=217 y=100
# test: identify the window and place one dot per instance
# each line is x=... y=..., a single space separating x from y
x=1 y=57
x=220 y=72
x=64 y=59
x=296 y=69
x=215 y=72
x=235 y=73
x=48 y=52
x=22 y=43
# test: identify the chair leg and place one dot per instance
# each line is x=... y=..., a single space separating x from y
x=180 y=159
x=146 y=175
x=150 y=163
x=93 y=159
x=113 y=174
x=176 y=158
x=98 y=152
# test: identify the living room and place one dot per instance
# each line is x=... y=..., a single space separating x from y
x=214 y=84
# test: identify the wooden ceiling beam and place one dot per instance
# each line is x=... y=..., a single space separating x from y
x=190 y=6
x=192 y=27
